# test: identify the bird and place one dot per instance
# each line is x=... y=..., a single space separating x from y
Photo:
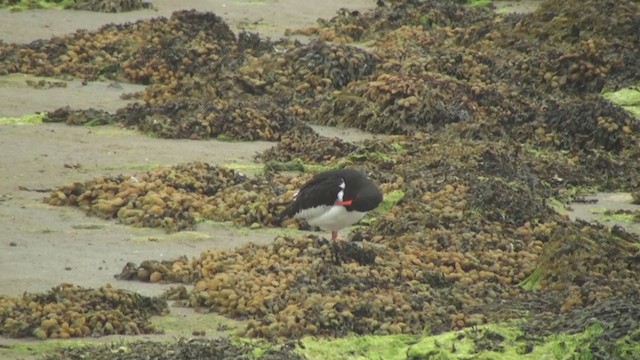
x=334 y=199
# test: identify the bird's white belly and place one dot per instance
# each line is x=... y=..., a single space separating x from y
x=330 y=217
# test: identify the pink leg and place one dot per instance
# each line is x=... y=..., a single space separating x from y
x=334 y=235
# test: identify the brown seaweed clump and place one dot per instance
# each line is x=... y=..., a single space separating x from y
x=596 y=40
x=578 y=263
x=293 y=287
x=90 y=117
x=448 y=274
x=322 y=65
x=587 y=276
x=594 y=123
x=353 y=26
x=205 y=81
x=573 y=45
x=183 y=349
x=254 y=98
x=404 y=277
x=428 y=78
x=167 y=197
x=398 y=104
x=177 y=271
x=109 y=6
x=175 y=198
x=617 y=317
x=241 y=119
x=72 y=311
x=145 y=51
x=308 y=147
x=262 y=118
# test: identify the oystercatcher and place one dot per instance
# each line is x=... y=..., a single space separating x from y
x=334 y=199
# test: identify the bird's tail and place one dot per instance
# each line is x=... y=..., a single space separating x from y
x=288 y=212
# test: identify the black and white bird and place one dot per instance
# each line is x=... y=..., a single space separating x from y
x=334 y=199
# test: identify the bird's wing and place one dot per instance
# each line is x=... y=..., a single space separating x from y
x=320 y=190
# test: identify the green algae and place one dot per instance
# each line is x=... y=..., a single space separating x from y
x=21 y=349
x=466 y=343
x=479 y=3
x=182 y=235
x=94 y=123
x=621 y=217
x=22 y=120
x=226 y=225
x=567 y=346
x=397 y=147
x=244 y=167
x=293 y=165
x=111 y=131
x=574 y=192
x=88 y=226
x=245 y=231
x=532 y=282
x=224 y=137
x=605 y=214
x=388 y=202
x=134 y=167
x=557 y=206
x=624 y=97
x=372 y=156
x=183 y=322
x=492 y=341
x=260 y=347
x=301 y=166
x=628 y=98
x=36 y=4
x=253 y=2
x=629 y=346
x=389 y=347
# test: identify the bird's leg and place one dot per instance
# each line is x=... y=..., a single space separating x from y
x=334 y=233
x=337 y=260
x=334 y=247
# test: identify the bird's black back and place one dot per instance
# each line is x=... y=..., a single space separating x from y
x=323 y=189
